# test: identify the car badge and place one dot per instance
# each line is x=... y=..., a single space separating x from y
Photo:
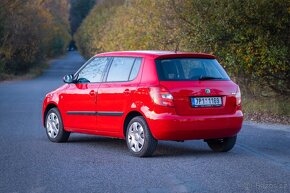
x=207 y=91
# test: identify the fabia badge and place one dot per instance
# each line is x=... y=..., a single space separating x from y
x=207 y=91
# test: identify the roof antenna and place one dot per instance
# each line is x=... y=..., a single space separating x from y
x=177 y=47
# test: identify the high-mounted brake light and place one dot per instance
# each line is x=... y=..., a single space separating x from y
x=161 y=96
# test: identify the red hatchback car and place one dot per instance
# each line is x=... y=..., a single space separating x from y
x=146 y=96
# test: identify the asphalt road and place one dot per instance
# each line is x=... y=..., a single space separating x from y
x=29 y=162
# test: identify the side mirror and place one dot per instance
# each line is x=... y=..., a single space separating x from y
x=68 y=78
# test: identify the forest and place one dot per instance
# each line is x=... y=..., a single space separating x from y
x=31 y=30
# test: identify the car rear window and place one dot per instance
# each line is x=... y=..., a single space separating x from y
x=190 y=69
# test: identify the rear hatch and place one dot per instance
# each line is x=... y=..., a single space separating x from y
x=199 y=86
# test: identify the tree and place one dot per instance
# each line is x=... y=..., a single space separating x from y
x=79 y=10
x=30 y=31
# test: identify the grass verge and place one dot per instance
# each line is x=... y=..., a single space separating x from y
x=273 y=110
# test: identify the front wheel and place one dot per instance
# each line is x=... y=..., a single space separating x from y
x=54 y=127
x=223 y=144
x=139 y=139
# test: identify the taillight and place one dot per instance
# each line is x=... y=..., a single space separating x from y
x=161 y=96
x=238 y=97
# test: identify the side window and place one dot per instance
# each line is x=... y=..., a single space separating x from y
x=120 y=69
x=135 y=69
x=93 y=71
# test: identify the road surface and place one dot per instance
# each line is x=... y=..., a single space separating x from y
x=29 y=162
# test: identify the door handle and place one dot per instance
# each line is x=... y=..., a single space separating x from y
x=127 y=91
x=92 y=93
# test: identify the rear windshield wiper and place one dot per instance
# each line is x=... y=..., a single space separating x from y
x=209 y=78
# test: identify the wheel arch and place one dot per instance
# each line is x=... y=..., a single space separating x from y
x=48 y=107
x=128 y=118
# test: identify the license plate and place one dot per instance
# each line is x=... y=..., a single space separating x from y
x=206 y=101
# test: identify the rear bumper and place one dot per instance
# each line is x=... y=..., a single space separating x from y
x=175 y=127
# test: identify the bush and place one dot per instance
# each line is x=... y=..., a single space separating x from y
x=89 y=35
x=30 y=31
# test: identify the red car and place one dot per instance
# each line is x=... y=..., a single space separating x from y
x=146 y=96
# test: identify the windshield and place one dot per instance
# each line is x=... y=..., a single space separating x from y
x=190 y=69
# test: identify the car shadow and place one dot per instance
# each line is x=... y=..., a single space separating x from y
x=171 y=148
x=165 y=149
x=93 y=139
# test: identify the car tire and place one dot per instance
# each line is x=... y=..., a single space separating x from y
x=223 y=144
x=54 y=127
x=139 y=139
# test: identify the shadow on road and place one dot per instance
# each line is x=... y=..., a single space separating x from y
x=164 y=149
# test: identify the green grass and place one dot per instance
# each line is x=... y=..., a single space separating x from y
x=270 y=109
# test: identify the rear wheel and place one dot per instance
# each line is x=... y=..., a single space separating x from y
x=222 y=144
x=139 y=139
x=54 y=127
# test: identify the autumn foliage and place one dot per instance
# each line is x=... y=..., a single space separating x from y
x=31 y=30
x=250 y=38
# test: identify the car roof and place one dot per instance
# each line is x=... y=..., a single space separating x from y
x=156 y=54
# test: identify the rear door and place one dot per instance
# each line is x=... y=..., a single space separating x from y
x=199 y=86
x=114 y=95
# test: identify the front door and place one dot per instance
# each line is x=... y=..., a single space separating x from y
x=80 y=99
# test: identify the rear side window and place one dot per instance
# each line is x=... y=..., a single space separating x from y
x=123 y=69
x=190 y=69
x=135 y=68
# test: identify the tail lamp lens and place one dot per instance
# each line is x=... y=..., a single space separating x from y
x=161 y=96
x=238 y=96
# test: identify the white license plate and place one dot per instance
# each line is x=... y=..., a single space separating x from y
x=206 y=101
